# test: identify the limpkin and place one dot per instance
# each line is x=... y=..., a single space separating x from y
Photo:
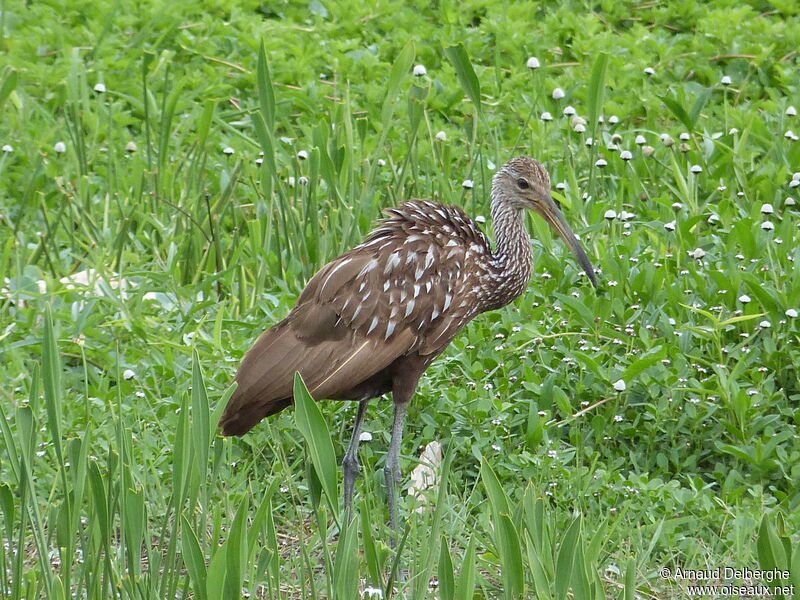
x=371 y=321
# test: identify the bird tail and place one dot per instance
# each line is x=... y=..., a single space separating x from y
x=240 y=417
x=264 y=381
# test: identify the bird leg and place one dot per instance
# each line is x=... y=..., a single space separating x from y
x=391 y=470
x=350 y=464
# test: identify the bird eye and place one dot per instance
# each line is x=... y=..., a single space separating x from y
x=523 y=184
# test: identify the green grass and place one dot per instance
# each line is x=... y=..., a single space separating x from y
x=114 y=481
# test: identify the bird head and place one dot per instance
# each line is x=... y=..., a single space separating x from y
x=525 y=185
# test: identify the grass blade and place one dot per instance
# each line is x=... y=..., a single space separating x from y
x=311 y=425
x=400 y=69
x=446 y=576
x=457 y=56
x=597 y=89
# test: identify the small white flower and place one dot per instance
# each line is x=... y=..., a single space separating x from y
x=227 y=150
x=302 y=180
x=733 y=131
x=666 y=139
x=610 y=214
x=744 y=299
x=441 y=136
x=372 y=592
x=626 y=216
x=533 y=63
x=791 y=313
x=7 y=148
x=649 y=71
x=790 y=135
x=468 y=184
x=713 y=218
x=685 y=137
x=767 y=209
x=765 y=324
x=589 y=142
x=558 y=94
x=625 y=155
x=619 y=418
x=601 y=163
x=670 y=226
x=302 y=155
x=60 y=147
x=640 y=140
x=725 y=80
x=579 y=128
x=767 y=226
x=365 y=436
x=131 y=147
x=791 y=111
x=796 y=176
x=569 y=111
x=420 y=70
x=259 y=161
x=613 y=119
x=480 y=219
x=381 y=162
x=560 y=186
x=790 y=201
x=648 y=151
x=696 y=169
x=128 y=374
x=794 y=183
x=619 y=385
x=100 y=88
x=546 y=116
x=697 y=253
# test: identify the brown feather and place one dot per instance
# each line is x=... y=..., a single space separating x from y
x=373 y=319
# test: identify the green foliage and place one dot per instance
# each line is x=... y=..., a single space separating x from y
x=145 y=243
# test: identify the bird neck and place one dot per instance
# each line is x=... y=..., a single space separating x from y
x=512 y=259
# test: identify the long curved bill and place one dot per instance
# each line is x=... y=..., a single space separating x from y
x=556 y=220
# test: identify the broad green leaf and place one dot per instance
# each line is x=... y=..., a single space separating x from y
x=643 y=362
x=51 y=374
x=346 y=565
x=698 y=105
x=541 y=582
x=678 y=111
x=200 y=418
x=399 y=72
x=510 y=556
x=497 y=497
x=630 y=580
x=466 y=576
x=566 y=558
x=446 y=576
x=311 y=425
x=193 y=558
x=597 y=87
x=266 y=93
x=457 y=56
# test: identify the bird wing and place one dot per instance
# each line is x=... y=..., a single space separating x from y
x=404 y=289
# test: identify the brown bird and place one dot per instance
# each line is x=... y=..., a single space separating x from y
x=371 y=321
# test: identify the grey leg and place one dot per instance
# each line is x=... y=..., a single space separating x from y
x=392 y=469
x=350 y=464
